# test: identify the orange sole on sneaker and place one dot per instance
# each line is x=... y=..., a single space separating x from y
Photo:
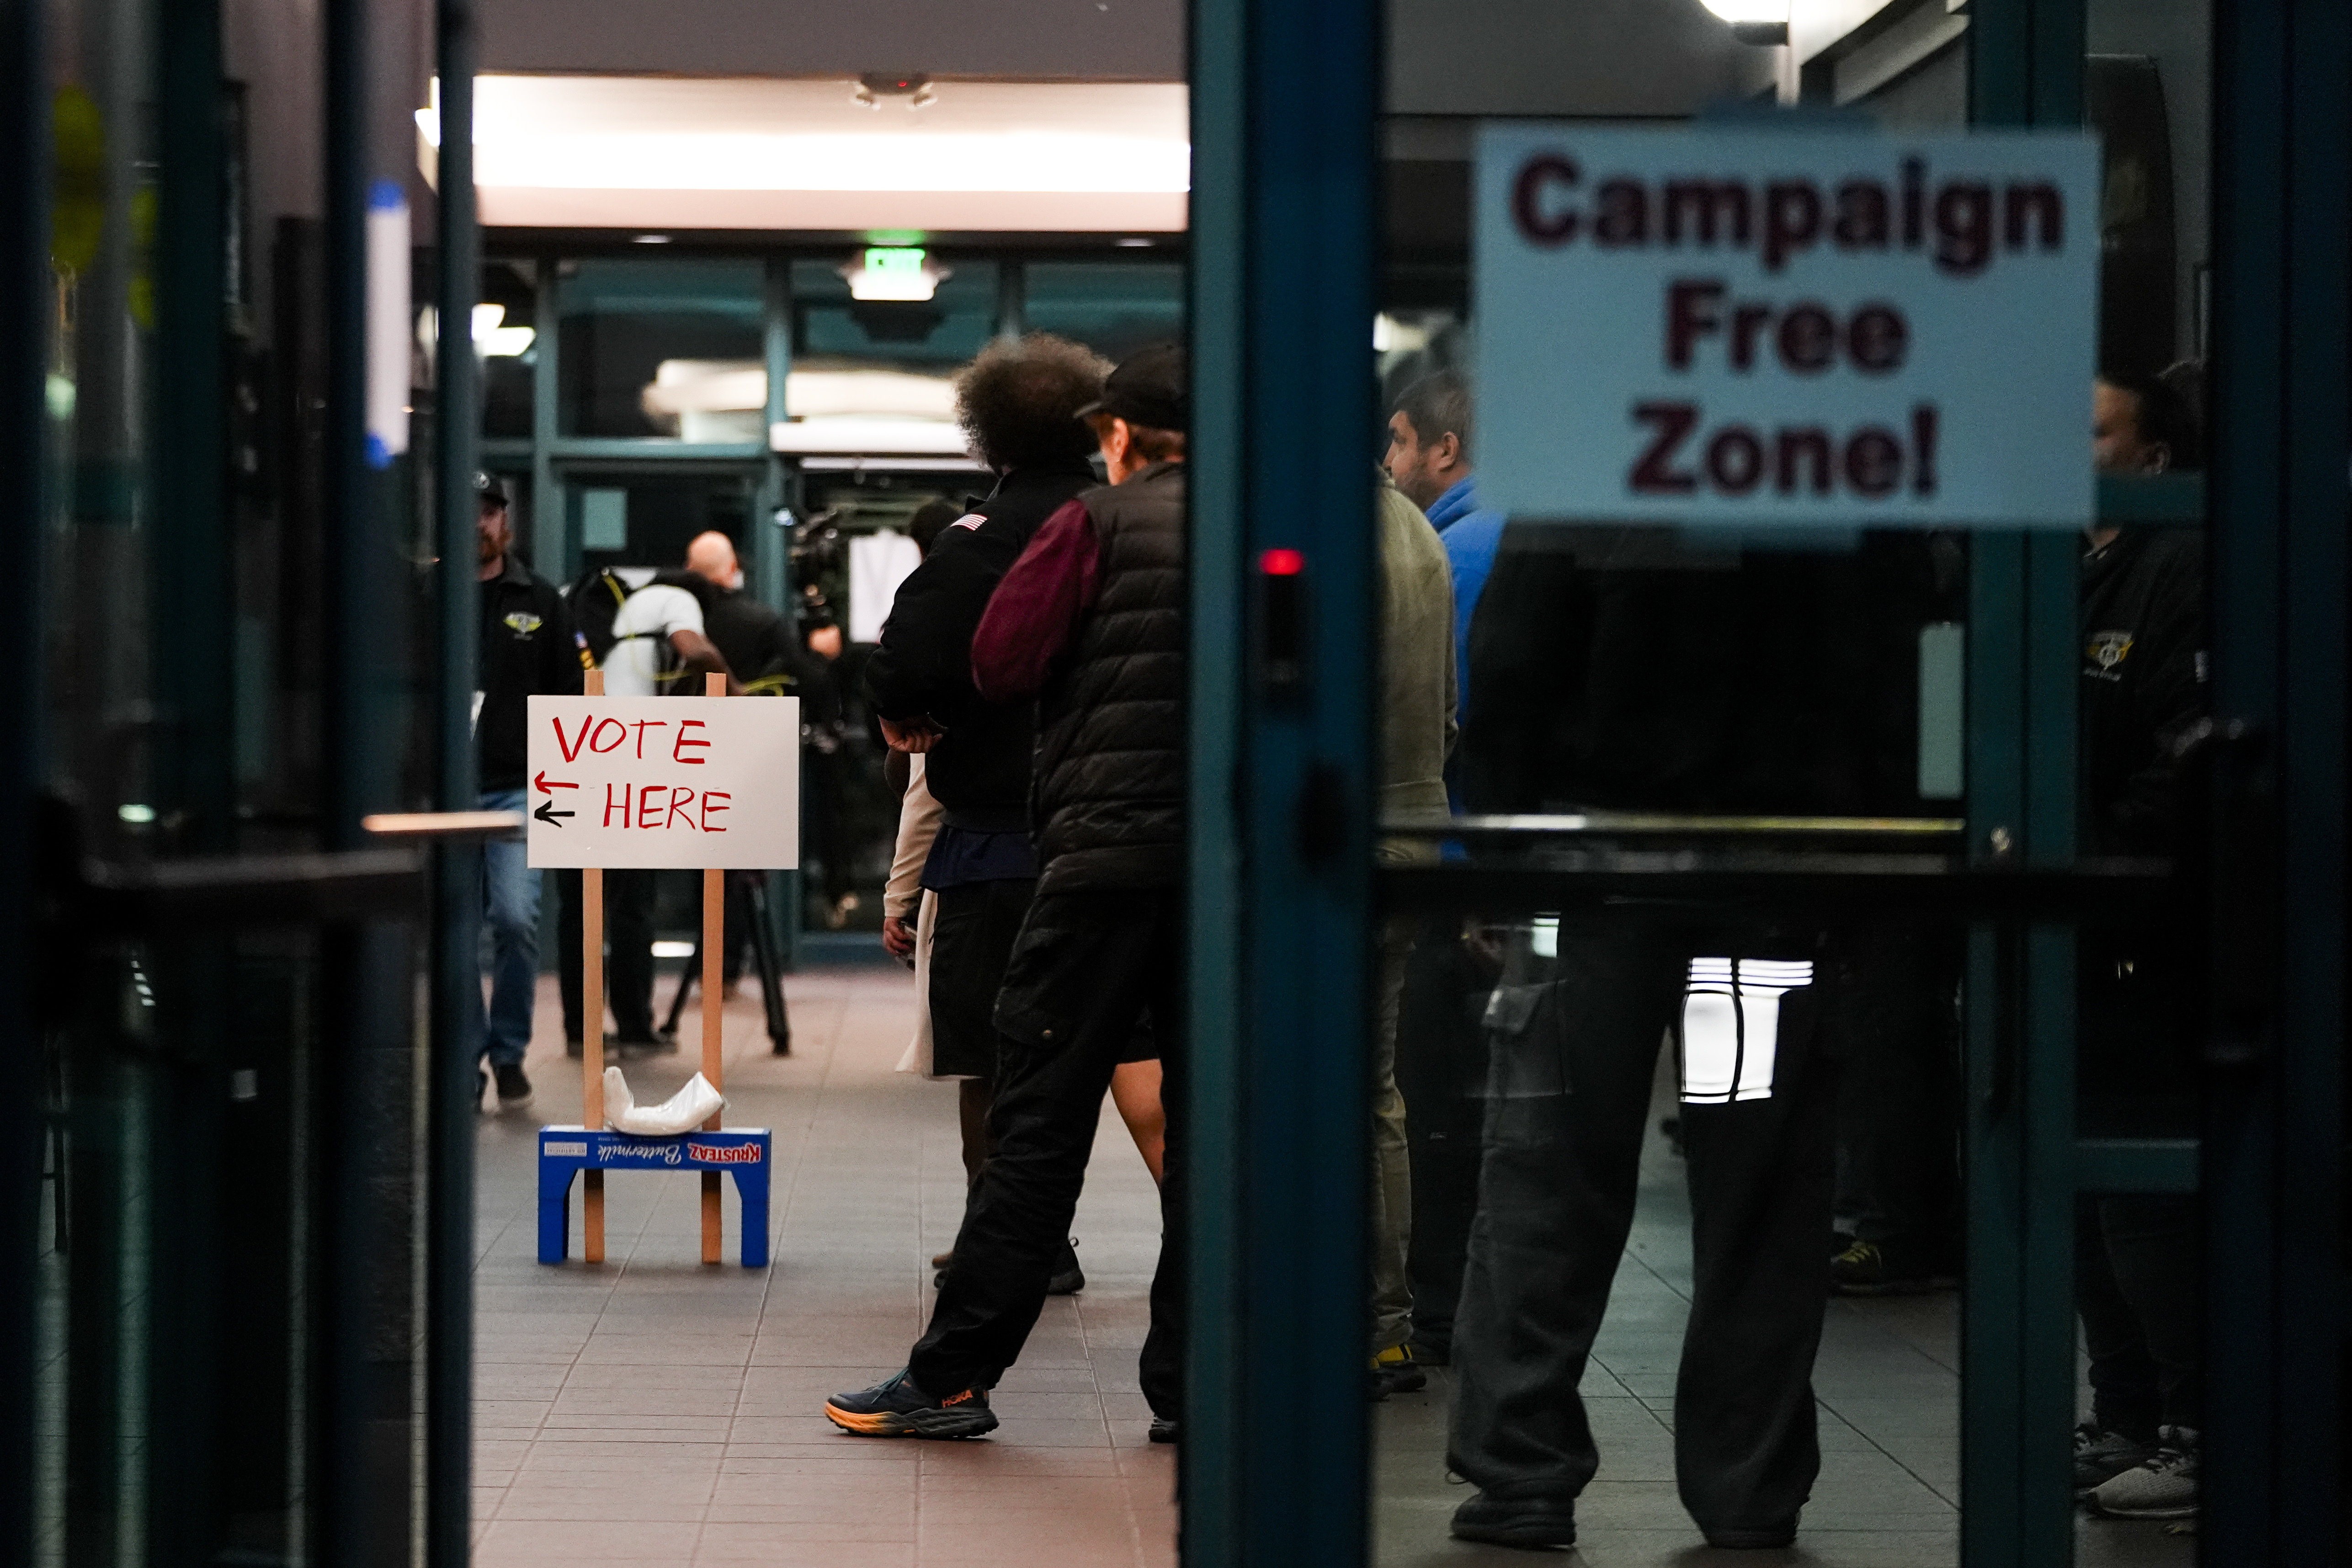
x=969 y=1423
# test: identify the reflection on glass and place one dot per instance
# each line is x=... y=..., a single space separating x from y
x=506 y=337
x=1113 y=308
x=661 y=348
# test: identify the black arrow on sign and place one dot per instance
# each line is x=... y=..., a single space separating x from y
x=548 y=813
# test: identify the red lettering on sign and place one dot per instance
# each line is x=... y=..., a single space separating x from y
x=1542 y=225
x=620 y=734
x=1923 y=449
x=709 y=796
x=644 y=724
x=1653 y=472
x=608 y=805
x=571 y=751
x=681 y=798
x=645 y=803
x=676 y=753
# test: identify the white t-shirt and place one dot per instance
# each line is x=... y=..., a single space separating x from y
x=645 y=620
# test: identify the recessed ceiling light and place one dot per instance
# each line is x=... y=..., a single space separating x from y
x=653 y=239
x=1132 y=243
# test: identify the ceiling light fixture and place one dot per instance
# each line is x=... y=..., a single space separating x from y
x=1754 y=21
x=874 y=86
x=653 y=239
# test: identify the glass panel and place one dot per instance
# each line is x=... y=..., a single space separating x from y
x=661 y=348
x=831 y=329
x=1645 y=1135
x=1113 y=308
x=506 y=335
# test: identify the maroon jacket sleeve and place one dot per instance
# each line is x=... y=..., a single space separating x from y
x=1032 y=618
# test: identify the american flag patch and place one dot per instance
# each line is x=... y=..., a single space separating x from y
x=968 y=520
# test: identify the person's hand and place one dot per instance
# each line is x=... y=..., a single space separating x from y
x=914 y=735
x=826 y=641
x=898 y=936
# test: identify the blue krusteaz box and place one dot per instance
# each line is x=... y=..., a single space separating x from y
x=563 y=1151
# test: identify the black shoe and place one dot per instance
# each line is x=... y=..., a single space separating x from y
x=513 y=1087
x=1771 y=1538
x=1433 y=1350
x=1887 y=1268
x=574 y=1047
x=1069 y=1279
x=1163 y=1430
x=1531 y=1524
x=1398 y=1372
x=633 y=1045
x=895 y=1408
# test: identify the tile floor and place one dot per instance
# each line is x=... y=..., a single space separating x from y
x=656 y=1409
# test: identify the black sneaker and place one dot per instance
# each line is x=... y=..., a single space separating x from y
x=513 y=1087
x=895 y=1408
x=1068 y=1278
x=1163 y=1430
x=1526 y=1522
x=1398 y=1372
x=1889 y=1268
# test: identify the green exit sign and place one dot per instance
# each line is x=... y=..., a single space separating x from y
x=894 y=262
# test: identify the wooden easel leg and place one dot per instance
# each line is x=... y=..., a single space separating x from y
x=714 y=952
x=592 y=1056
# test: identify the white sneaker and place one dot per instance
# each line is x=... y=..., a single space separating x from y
x=2101 y=1455
x=2164 y=1487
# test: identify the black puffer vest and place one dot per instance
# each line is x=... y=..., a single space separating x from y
x=1110 y=731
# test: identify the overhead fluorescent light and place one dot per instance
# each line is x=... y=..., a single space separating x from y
x=492 y=340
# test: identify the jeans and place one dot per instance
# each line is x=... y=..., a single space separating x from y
x=1086 y=967
x=1441 y=1069
x=1569 y=1098
x=510 y=910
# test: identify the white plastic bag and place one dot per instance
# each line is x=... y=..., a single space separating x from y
x=681 y=1112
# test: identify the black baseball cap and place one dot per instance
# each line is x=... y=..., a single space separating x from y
x=1150 y=387
x=491 y=488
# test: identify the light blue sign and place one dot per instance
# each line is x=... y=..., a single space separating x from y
x=1799 y=327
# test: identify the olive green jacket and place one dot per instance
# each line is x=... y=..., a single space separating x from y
x=1417 y=727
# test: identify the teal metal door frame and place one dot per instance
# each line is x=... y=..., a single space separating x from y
x=2274 y=1474
x=1285 y=97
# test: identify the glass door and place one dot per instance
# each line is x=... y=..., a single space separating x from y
x=1776 y=1059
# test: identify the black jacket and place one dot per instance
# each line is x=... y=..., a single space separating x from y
x=979 y=771
x=760 y=647
x=526 y=651
x=2143 y=683
x=1111 y=744
x=1628 y=668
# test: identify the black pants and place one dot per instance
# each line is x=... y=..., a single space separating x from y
x=2137 y=1282
x=628 y=947
x=1892 y=1011
x=1086 y=967
x=1569 y=1090
x=972 y=937
x=1441 y=1070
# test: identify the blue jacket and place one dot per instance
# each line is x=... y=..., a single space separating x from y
x=1470 y=534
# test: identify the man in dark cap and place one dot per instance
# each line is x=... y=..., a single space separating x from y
x=1090 y=623
x=526 y=651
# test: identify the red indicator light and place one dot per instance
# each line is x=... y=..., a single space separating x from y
x=1282 y=563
